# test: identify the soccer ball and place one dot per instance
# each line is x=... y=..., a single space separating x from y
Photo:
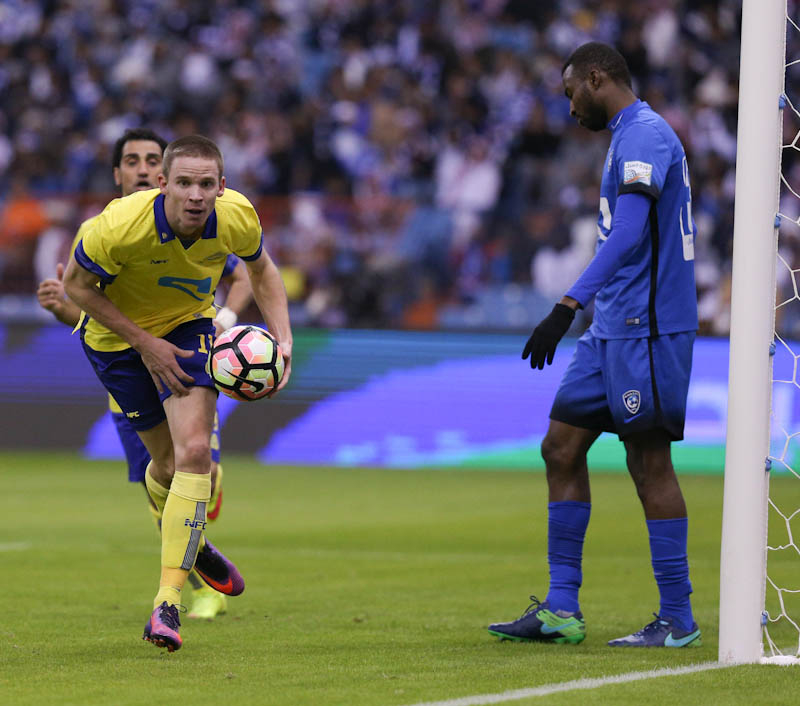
x=246 y=363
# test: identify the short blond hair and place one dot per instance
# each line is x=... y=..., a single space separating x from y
x=191 y=146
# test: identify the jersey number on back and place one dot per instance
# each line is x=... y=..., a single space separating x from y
x=687 y=226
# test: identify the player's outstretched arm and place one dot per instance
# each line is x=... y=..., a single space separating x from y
x=541 y=345
x=52 y=297
x=270 y=296
x=157 y=354
x=630 y=218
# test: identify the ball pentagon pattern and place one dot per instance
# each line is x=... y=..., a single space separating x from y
x=246 y=362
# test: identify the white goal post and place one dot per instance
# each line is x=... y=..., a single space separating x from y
x=744 y=522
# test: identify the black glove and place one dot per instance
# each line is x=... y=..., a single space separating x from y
x=545 y=337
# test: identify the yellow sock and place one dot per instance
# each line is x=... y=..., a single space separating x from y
x=170 y=594
x=158 y=494
x=156 y=515
x=213 y=510
x=183 y=522
x=217 y=485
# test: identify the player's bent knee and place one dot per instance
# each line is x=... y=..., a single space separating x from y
x=558 y=456
x=194 y=457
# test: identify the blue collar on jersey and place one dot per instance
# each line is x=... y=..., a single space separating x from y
x=625 y=114
x=165 y=233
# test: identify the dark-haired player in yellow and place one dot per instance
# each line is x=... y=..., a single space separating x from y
x=136 y=164
x=158 y=256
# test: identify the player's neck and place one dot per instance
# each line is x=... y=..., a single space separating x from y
x=618 y=101
x=184 y=235
x=188 y=237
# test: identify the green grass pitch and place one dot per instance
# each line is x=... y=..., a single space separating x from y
x=364 y=587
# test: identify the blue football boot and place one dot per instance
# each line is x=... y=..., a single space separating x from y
x=662 y=632
x=540 y=624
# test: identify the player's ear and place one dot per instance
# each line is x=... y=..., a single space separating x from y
x=221 y=186
x=162 y=183
x=595 y=78
x=117 y=176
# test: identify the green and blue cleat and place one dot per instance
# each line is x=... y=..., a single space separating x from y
x=662 y=632
x=540 y=624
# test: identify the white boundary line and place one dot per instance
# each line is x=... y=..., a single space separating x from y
x=14 y=546
x=574 y=685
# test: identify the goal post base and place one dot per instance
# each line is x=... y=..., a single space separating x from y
x=783 y=660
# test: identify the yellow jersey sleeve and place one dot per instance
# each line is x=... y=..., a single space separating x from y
x=239 y=225
x=104 y=240
x=84 y=228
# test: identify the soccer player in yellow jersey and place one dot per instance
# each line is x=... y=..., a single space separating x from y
x=136 y=162
x=158 y=256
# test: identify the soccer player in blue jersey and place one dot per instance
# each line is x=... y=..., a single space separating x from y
x=158 y=256
x=136 y=164
x=630 y=371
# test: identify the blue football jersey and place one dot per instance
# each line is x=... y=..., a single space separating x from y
x=653 y=292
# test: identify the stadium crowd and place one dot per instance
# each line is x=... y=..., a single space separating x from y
x=414 y=163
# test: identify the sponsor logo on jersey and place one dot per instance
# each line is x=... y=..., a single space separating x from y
x=215 y=257
x=158 y=262
x=194 y=524
x=185 y=284
x=637 y=173
x=131 y=415
x=632 y=399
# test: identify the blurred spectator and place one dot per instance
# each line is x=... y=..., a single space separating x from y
x=22 y=220
x=467 y=185
x=53 y=243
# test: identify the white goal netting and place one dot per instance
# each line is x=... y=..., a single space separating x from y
x=781 y=619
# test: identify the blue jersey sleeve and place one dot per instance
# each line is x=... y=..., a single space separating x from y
x=627 y=231
x=230 y=265
x=642 y=160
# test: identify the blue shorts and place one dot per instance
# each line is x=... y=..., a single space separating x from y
x=627 y=385
x=137 y=455
x=127 y=379
x=135 y=452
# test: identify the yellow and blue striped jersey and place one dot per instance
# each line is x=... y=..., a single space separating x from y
x=152 y=276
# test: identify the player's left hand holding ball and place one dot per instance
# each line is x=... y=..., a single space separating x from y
x=542 y=344
x=286 y=350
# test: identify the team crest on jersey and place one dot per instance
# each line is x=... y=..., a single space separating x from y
x=632 y=400
x=215 y=257
x=637 y=173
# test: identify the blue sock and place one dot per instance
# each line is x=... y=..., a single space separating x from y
x=566 y=528
x=671 y=568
